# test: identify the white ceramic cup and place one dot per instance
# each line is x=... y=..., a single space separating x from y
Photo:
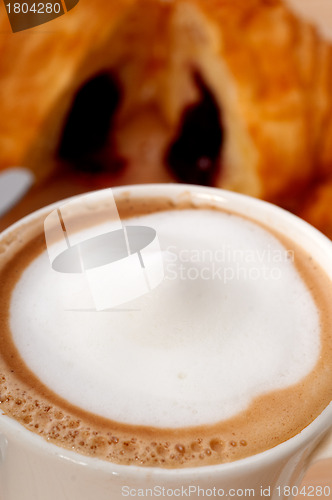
x=33 y=469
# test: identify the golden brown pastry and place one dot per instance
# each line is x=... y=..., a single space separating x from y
x=317 y=207
x=230 y=93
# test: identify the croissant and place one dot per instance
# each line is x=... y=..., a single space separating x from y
x=228 y=93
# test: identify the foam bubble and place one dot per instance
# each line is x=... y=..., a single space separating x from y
x=232 y=320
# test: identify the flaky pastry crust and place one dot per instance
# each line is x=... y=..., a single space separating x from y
x=266 y=72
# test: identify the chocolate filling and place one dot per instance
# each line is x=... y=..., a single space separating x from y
x=194 y=155
x=87 y=128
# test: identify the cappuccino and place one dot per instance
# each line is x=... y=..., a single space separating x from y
x=229 y=356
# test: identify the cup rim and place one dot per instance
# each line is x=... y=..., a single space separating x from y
x=317 y=428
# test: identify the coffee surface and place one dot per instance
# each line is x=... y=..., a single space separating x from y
x=229 y=356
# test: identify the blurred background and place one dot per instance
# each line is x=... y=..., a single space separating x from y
x=228 y=94
x=234 y=94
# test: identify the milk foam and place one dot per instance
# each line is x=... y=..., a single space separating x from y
x=192 y=351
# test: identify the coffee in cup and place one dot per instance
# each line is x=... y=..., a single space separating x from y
x=230 y=356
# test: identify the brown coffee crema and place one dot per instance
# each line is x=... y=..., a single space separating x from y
x=270 y=419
